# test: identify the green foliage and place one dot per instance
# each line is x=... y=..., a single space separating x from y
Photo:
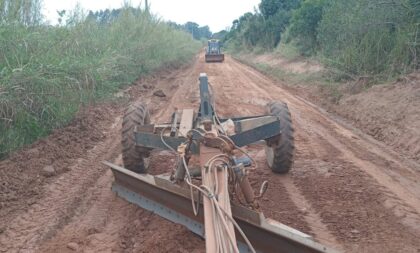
x=220 y=35
x=356 y=37
x=101 y=17
x=197 y=32
x=27 y=12
x=47 y=73
x=365 y=37
x=261 y=29
x=270 y=8
x=303 y=29
x=288 y=51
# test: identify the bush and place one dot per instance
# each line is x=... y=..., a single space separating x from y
x=304 y=25
x=47 y=73
x=261 y=29
x=365 y=37
x=355 y=37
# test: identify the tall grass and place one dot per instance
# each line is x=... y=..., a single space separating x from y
x=371 y=38
x=48 y=72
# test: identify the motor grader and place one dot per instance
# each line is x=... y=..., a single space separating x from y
x=214 y=51
x=208 y=188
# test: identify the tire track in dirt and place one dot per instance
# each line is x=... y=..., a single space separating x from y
x=355 y=143
x=320 y=230
x=49 y=214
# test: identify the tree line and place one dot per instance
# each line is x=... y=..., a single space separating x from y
x=360 y=37
x=107 y=16
x=197 y=32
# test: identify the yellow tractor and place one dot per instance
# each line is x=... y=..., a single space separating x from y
x=214 y=51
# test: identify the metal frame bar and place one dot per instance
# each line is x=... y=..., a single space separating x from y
x=249 y=130
x=256 y=134
x=206 y=108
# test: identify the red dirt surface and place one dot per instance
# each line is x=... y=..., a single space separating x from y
x=389 y=112
x=345 y=189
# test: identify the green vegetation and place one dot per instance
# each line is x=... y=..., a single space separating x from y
x=366 y=37
x=304 y=24
x=48 y=72
x=263 y=29
x=196 y=31
x=108 y=16
x=357 y=37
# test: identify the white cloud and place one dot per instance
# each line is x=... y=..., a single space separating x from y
x=218 y=14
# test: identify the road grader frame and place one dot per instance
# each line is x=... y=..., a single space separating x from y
x=203 y=136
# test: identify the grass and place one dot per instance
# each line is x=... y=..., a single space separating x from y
x=290 y=77
x=48 y=72
x=322 y=79
x=288 y=51
x=332 y=82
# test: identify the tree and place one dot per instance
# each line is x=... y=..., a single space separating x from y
x=271 y=7
x=107 y=16
x=304 y=24
x=204 y=32
x=220 y=35
x=192 y=28
x=197 y=31
x=264 y=27
x=26 y=12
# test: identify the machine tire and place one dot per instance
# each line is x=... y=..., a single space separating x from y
x=279 y=153
x=137 y=114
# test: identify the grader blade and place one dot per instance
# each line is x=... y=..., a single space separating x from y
x=214 y=57
x=172 y=201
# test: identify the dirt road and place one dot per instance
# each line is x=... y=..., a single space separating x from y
x=345 y=189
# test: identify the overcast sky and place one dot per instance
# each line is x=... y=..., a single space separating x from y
x=218 y=14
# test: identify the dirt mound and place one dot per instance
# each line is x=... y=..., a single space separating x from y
x=389 y=112
x=22 y=175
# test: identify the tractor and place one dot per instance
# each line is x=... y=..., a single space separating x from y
x=214 y=51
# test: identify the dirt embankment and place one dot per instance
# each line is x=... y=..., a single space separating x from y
x=389 y=112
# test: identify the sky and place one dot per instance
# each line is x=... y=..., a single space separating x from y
x=217 y=14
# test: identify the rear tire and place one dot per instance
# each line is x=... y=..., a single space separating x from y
x=280 y=149
x=137 y=114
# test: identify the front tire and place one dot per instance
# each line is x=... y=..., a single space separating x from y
x=137 y=114
x=280 y=149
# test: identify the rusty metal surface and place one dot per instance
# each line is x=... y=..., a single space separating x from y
x=265 y=235
x=206 y=153
x=215 y=57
